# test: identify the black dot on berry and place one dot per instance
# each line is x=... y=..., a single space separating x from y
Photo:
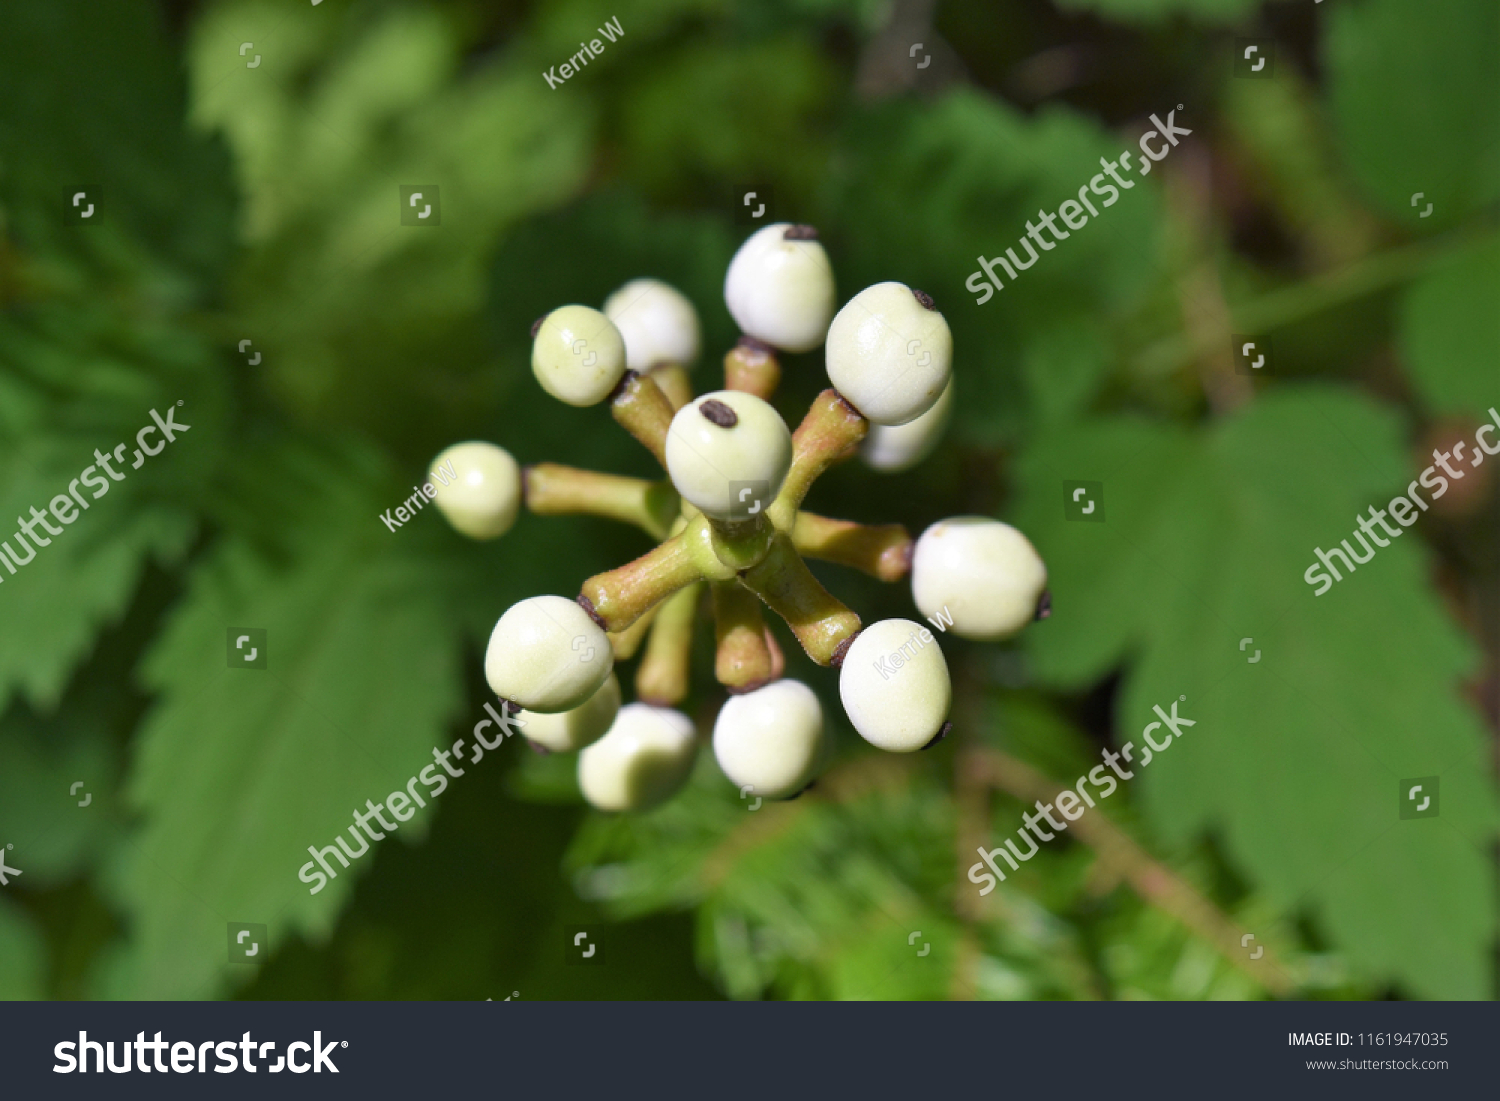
x=719 y=413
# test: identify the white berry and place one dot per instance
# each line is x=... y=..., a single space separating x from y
x=643 y=760
x=779 y=289
x=770 y=740
x=546 y=654
x=578 y=355
x=890 y=353
x=894 y=685
x=657 y=323
x=986 y=574
x=728 y=437
x=892 y=448
x=481 y=495
x=583 y=725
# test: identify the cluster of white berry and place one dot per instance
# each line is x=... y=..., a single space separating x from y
x=889 y=354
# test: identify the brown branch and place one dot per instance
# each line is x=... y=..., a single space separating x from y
x=1154 y=882
x=865 y=775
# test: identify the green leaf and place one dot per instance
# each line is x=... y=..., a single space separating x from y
x=56 y=825
x=1416 y=102
x=364 y=319
x=1205 y=541
x=1450 y=332
x=1157 y=11
x=950 y=182
x=238 y=771
x=22 y=956
x=88 y=339
x=105 y=114
x=746 y=113
x=79 y=381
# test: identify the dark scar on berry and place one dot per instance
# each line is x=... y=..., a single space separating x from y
x=588 y=606
x=755 y=345
x=719 y=413
x=800 y=233
x=800 y=792
x=924 y=298
x=1044 y=605
x=939 y=736
x=536 y=326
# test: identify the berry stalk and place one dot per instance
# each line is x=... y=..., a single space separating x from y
x=831 y=431
x=742 y=545
x=819 y=620
x=672 y=380
x=662 y=678
x=552 y=489
x=618 y=598
x=752 y=367
x=744 y=660
x=625 y=643
x=882 y=550
x=641 y=408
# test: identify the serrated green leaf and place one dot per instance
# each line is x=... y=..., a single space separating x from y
x=362 y=318
x=1416 y=102
x=66 y=396
x=960 y=179
x=1205 y=542
x=1450 y=332
x=239 y=770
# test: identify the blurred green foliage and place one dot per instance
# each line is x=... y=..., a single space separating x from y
x=261 y=203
